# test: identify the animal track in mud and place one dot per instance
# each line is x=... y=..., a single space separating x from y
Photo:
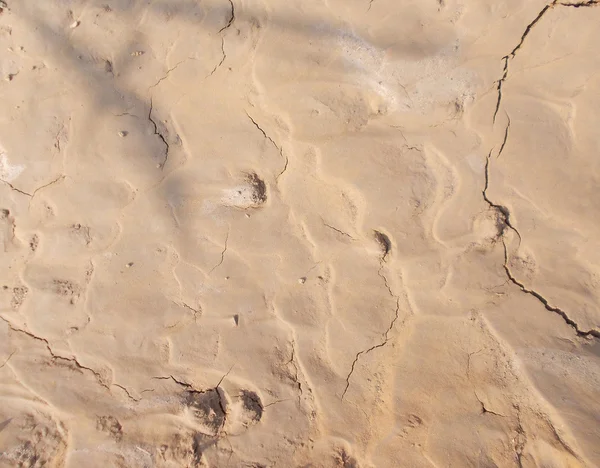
x=259 y=188
x=253 y=407
x=82 y=232
x=220 y=415
x=19 y=293
x=37 y=441
x=385 y=243
x=183 y=449
x=413 y=420
x=66 y=288
x=252 y=194
x=208 y=407
x=9 y=222
x=111 y=426
x=345 y=460
x=34 y=242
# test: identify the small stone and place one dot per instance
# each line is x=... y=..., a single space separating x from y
x=137 y=53
x=129 y=265
x=247 y=215
x=302 y=280
x=74 y=24
x=123 y=133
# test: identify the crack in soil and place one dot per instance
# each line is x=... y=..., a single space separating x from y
x=73 y=360
x=503 y=212
x=220 y=32
x=386 y=245
x=222 y=254
x=279 y=148
x=513 y=53
x=545 y=302
x=159 y=134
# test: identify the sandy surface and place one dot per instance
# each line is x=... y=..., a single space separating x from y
x=268 y=233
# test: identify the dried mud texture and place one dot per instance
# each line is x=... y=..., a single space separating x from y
x=299 y=234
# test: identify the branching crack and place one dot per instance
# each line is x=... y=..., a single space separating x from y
x=222 y=405
x=386 y=247
x=484 y=409
x=367 y=351
x=31 y=195
x=73 y=360
x=178 y=382
x=52 y=182
x=513 y=53
x=159 y=134
x=505 y=218
x=544 y=301
x=166 y=74
x=195 y=312
x=191 y=390
x=220 y=32
x=502 y=211
x=222 y=254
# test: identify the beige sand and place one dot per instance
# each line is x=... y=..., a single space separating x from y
x=268 y=233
